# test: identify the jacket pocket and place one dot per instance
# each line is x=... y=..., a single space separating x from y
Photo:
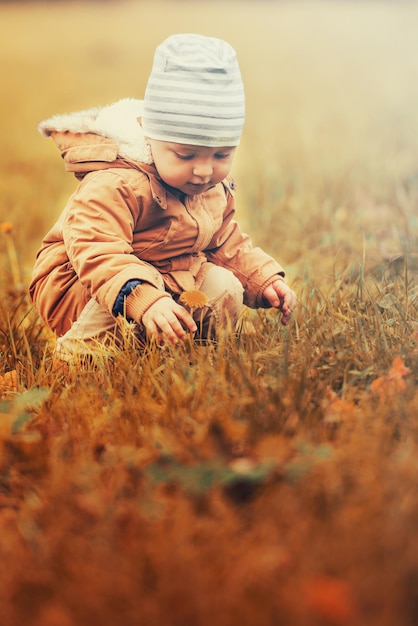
x=151 y=245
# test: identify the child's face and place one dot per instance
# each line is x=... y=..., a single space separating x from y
x=191 y=169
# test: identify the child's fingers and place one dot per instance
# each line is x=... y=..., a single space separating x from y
x=271 y=294
x=288 y=306
x=290 y=300
x=282 y=297
x=170 y=327
x=286 y=317
x=168 y=320
x=186 y=319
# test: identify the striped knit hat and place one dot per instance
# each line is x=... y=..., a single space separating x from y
x=194 y=93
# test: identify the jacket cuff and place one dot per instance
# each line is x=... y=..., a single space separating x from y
x=127 y=289
x=140 y=300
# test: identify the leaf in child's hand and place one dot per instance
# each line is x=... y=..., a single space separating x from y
x=193 y=299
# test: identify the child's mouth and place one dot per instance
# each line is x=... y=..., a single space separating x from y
x=199 y=187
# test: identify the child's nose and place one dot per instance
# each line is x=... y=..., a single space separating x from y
x=203 y=169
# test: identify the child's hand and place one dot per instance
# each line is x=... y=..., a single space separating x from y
x=167 y=319
x=279 y=295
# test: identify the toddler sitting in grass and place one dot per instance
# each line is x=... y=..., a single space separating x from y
x=152 y=217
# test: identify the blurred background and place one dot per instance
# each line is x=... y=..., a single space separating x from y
x=332 y=99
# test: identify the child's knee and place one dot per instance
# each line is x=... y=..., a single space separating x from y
x=232 y=297
x=225 y=295
x=220 y=283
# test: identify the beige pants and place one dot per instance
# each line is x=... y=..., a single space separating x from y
x=97 y=327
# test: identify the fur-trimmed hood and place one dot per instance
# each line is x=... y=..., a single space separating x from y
x=117 y=122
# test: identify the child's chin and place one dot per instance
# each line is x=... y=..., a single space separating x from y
x=193 y=190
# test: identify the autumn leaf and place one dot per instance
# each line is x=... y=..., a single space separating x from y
x=337 y=409
x=393 y=381
x=330 y=598
x=6 y=227
x=398 y=369
x=8 y=383
x=193 y=299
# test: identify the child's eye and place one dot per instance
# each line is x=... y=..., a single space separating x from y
x=222 y=155
x=184 y=157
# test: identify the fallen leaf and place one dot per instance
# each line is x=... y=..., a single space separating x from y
x=337 y=409
x=330 y=598
x=393 y=381
x=8 y=383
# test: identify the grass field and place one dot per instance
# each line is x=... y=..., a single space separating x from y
x=273 y=480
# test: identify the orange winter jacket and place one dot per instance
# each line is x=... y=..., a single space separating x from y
x=124 y=224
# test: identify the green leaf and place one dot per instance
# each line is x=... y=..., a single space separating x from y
x=20 y=421
x=307 y=456
x=31 y=399
x=23 y=406
x=197 y=479
x=294 y=470
x=5 y=406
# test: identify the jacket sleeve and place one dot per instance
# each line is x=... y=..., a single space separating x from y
x=98 y=232
x=233 y=249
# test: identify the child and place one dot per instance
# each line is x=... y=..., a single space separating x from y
x=152 y=216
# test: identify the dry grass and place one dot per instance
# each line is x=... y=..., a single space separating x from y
x=272 y=480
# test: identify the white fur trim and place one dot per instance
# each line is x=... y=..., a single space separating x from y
x=118 y=121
